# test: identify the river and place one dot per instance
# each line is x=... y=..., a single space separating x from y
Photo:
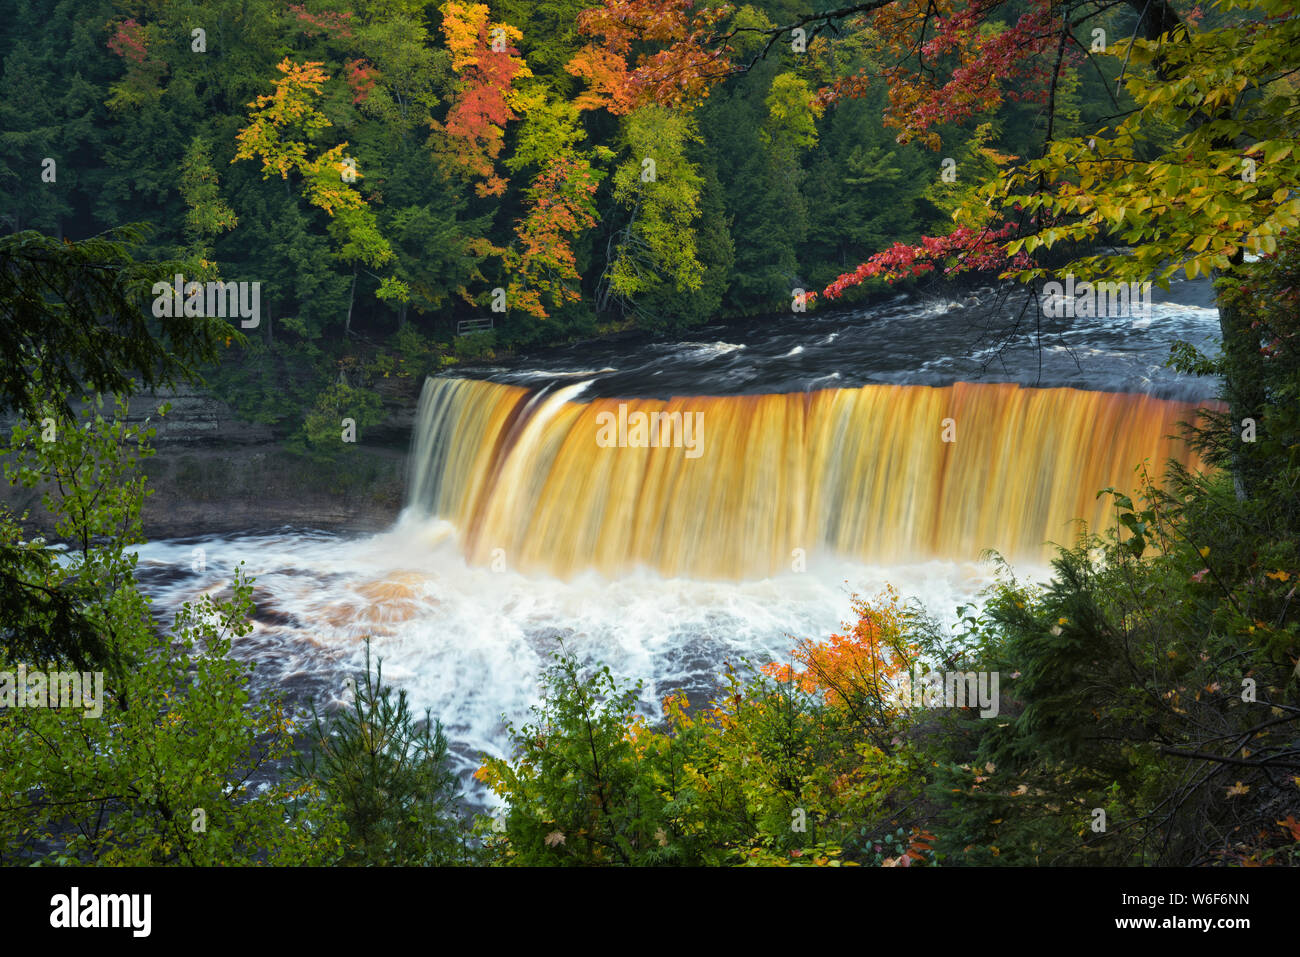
x=823 y=473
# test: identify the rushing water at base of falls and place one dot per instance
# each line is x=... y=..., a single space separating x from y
x=468 y=642
x=518 y=542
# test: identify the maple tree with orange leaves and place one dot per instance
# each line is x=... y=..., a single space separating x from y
x=860 y=669
x=489 y=66
x=561 y=203
x=678 y=75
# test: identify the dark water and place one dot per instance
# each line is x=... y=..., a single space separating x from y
x=979 y=335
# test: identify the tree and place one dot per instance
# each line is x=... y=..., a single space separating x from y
x=576 y=788
x=482 y=56
x=324 y=425
x=677 y=76
x=73 y=314
x=38 y=125
x=208 y=214
x=560 y=205
x=390 y=778
x=420 y=207
x=281 y=127
x=777 y=771
x=863 y=190
x=658 y=189
x=154 y=764
x=757 y=198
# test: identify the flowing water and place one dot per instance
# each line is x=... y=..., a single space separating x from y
x=878 y=473
x=817 y=467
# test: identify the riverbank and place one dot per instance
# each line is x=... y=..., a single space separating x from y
x=213 y=473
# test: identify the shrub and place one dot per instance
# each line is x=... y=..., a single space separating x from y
x=389 y=777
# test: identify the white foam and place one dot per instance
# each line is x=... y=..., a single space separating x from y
x=544 y=374
x=469 y=642
x=705 y=349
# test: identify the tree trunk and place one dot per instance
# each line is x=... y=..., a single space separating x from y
x=352 y=297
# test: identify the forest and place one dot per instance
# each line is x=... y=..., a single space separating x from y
x=398 y=189
x=383 y=172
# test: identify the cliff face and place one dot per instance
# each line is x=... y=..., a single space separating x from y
x=213 y=473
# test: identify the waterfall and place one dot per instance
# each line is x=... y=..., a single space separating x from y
x=881 y=474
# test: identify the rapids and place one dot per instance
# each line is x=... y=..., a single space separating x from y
x=823 y=472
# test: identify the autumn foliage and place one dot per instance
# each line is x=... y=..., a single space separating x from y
x=361 y=77
x=861 y=665
x=488 y=67
x=326 y=23
x=786 y=768
x=128 y=41
x=677 y=75
x=965 y=249
x=283 y=124
x=561 y=204
x=991 y=63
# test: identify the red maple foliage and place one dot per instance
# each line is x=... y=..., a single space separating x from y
x=963 y=250
x=992 y=62
x=988 y=63
x=326 y=23
x=128 y=42
x=361 y=77
x=487 y=63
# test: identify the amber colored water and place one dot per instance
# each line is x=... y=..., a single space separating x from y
x=862 y=473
